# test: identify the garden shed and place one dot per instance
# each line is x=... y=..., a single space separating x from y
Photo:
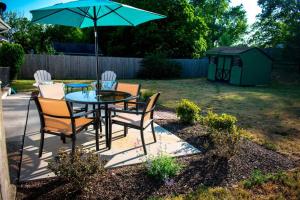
x=239 y=65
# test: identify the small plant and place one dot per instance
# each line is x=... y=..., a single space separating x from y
x=269 y=145
x=188 y=112
x=157 y=66
x=258 y=178
x=11 y=55
x=163 y=167
x=76 y=169
x=223 y=122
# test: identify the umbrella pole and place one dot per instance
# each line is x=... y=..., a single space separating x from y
x=96 y=52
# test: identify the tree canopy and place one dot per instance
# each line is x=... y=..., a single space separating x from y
x=191 y=27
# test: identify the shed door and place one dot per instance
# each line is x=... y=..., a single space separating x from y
x=224 y=67
x=219 y=74
x=227 y=68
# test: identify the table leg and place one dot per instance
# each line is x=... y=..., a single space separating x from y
x=97 y=131
x=108 y=137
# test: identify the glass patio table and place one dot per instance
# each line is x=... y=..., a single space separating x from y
x=103 y=99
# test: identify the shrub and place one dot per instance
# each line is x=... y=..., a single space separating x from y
x=11 y=55
x=146 y=94
x=76 y=169
x=223 y=122
x=225 y=145
x=157 y=66
x=163 y=167
x=188 y=112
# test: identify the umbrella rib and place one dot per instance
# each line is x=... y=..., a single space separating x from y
x=78 y=13
x=111 y=11
x=120 y=16
x=86 y=13
x=47 y=15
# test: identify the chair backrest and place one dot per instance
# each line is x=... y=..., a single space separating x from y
x=133 y=89
x=42 y=76
x=52 y=109
x=108 y=76
x=54 y=91
x=150 y=105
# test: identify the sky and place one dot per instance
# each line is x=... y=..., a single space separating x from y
x=24 y=6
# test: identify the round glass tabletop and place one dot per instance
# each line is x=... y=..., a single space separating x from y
x=105 y=97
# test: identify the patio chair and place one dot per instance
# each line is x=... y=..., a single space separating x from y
x=42 y=77
x=134 y=90
x=57 y=118
x=54 y=91
x=57 y=91
x=136 y=119
x=108 y=81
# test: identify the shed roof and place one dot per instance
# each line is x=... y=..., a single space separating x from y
x=233 y=51
x=228 y=50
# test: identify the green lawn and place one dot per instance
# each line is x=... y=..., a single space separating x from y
x=271 y=113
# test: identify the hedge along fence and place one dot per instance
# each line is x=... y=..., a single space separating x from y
x=83 y=67
x=4 y=76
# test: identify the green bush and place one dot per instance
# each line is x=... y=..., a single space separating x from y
x=188 y=112
x=223 y=122
x=145 y=94
x=11 y=55
x=77 y=169
x=163 y=167
x=157 y=66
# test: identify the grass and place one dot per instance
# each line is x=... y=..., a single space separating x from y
x=258 y=186
x=269 y=114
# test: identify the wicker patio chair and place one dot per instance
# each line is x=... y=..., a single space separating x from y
x=57 y=118
x=136 y=119
x=42 y=77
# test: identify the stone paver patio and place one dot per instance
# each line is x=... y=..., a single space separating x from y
x=125 y=150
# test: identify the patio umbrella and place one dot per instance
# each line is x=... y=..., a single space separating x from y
x=93 y=13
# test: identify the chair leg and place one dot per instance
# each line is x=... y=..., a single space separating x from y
x=153 y=131
x=125 y=131
x=143 y=142
x=63 y=138
x=41 y=143
x=73 y=143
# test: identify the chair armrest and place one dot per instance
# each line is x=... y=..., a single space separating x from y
x=82 y=114
x=124 y=111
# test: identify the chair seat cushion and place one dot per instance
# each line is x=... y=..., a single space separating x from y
x=60 y=125
x=132 y=119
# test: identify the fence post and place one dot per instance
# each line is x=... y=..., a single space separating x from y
x=8 y=191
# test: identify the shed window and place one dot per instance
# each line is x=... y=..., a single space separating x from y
x=237 y=61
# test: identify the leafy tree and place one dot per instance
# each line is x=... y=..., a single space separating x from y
x=278 y=22
x=227 y=25
x=37 y=37
x=181 y=34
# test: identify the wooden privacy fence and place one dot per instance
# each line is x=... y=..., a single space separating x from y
x=83 y=67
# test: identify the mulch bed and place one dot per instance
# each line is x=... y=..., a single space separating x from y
x=132 y=182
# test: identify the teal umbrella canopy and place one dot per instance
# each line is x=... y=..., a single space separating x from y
x=93 y=13
x=84 y=13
